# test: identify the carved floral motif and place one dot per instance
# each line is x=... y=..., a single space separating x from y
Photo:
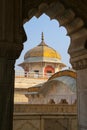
x=81 y=64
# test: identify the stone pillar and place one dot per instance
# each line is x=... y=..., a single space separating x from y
x=82 y=98
x=6 y=93
x=12 y=37
x=78 y=52
x=8 y=55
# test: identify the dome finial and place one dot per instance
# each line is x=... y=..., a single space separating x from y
x=42 y=37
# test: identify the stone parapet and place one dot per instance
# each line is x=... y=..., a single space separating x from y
x=44 y=109
x=44 y=117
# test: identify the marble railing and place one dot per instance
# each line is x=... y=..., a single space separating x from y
x=22 y=74
x=43 y=108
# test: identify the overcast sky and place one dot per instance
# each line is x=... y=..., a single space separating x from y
x=55 y=36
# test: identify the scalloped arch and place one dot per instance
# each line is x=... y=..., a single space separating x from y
x=66 y=17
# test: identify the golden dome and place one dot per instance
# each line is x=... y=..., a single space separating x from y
x=42 y=50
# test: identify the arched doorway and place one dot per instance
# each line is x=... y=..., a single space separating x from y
x=48 y=70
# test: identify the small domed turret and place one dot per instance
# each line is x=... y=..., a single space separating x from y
x=42 y=50
x=42 y=60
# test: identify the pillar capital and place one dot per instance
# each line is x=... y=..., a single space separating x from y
x=79 y=59
x=78 y=53
x=10 y=50
x=80 y=64
x=12 y=34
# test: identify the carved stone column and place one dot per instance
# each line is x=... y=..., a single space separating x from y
x=78 y=52
x=11 y=43
x=8 y=55
x=6 y=93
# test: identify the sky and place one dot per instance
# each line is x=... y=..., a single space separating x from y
x=54 y=35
